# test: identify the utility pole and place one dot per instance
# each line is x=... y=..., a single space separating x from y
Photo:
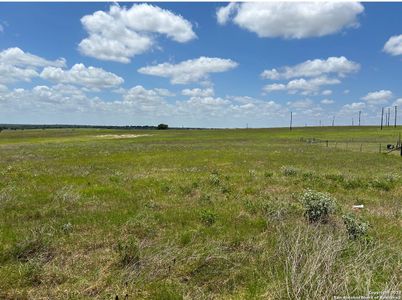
x=382 y=116
x=396 y=111
x=291 y=120
x=360 y=113
x=389 y=115
x=333 y=121
x=353 y=122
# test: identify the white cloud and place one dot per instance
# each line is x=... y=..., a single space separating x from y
x=340 y=66
x=223 y=14
x=378 y=97
x=326 y=93
x=353 y=107
x=305 y=86
x=192 y=70
x=16 y=57
x=275 y=87
x=208 y=92
x=141 y=99
x=79 y=74
x=398 y=102
x=17 y=65
x=292 y=20
x=121 y=33
x=394 y=45
x=10 y=73
x=346 y=92
x=327 y=101
x=301 y=104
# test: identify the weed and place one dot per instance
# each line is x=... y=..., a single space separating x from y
x=35 y=246
x=208 y=217
x=289 y=170
x=129 y=252
x=355 y=227
x=214 y=179
x=317 y=206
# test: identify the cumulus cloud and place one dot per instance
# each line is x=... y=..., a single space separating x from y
x=378 y=97
x=208 y=92
x=17 y=65
x=326 y=93
x=17 y=57
x=192 y=70
x=223 y=14
x=339 y=66
x=305 y=86
x=121 y=33
x=327 y=101
x=353 y=107
x=292 y=20
x=79 y=74
x=301 y=104
x=398 y=102
x=394 y=45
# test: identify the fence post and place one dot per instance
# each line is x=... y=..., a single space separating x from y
x=380 y=148
x=360 y=147
x=327 y=143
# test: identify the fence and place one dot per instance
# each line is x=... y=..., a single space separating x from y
x=357 y=145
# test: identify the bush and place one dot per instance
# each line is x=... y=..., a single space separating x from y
x=289 y=170
x=208 y=217
x=129 y=252
x=355 y=227
x=162 y=126
x=317 y=206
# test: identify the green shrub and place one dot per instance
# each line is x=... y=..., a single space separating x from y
x=162 y=126
x=355 y=227
x=129 y=252
x=268 y=174
x=214 y=179
x=289 y=170
x=317 y=206
x=208 y=217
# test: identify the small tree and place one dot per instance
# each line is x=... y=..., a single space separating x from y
x=163 y=126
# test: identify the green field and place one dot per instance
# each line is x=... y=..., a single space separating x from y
x=196 y=214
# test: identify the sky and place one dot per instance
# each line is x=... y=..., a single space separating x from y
x=200 y=64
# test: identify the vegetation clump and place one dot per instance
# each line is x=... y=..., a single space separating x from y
x=162 y=126
x=208 y=217
x=129 y=252
x=289 y=170
x=317 y=206
x=355 y=227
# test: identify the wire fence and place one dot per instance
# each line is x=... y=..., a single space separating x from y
x=357 y=145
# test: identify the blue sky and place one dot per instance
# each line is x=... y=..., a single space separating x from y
x=199 y=64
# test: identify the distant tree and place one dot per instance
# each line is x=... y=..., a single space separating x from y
x=162 y=126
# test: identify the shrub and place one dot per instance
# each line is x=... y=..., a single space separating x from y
x=129 y=252
x=355 y=227
x=162 y=126
x=268 y=174
x=208 y=217
x=317 y=206
x=214 y=179
x=289 y=170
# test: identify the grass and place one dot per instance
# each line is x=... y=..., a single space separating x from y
x=203 y=214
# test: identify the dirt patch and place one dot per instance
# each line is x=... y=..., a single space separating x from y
x=121 y=136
